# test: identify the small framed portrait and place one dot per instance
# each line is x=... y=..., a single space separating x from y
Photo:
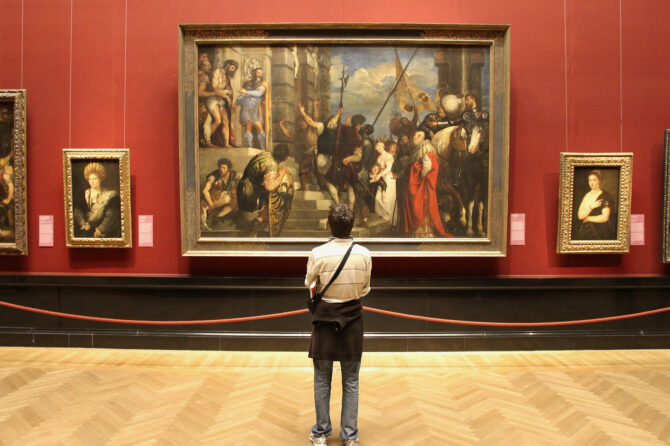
x=97 y=198
x=13 y=201
x=665 y=249
x=594 y=203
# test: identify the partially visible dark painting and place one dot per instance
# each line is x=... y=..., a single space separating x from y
x=665 y=247
x=13 y=224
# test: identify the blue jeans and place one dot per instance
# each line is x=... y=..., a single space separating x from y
x=323 y=373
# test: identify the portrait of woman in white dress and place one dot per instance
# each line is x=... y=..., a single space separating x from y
x=597 y=211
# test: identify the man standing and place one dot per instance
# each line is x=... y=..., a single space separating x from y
x=347 y=153
x=337 y=333
x=254 y=102
x=221 y=106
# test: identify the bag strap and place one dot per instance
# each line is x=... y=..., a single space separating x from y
x=320 y=294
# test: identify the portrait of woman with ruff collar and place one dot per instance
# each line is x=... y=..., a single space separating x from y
x=97 y=209
x=97 y=198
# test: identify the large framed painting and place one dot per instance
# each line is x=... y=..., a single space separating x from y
x=594 y=203
x=97 y=198
x=13 y=195
x=407 y=124
x=665 y=248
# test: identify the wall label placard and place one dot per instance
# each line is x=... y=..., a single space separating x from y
x=637 y=229
x=46 y=231
x=517 y=232
x=146 y=231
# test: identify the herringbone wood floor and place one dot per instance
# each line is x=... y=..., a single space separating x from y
x=126 y=397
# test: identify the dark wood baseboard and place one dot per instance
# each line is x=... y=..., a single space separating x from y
x=193 y=298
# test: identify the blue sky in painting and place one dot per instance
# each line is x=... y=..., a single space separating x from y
x=371 y=71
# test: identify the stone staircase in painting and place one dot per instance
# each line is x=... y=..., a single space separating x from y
x=308 y=219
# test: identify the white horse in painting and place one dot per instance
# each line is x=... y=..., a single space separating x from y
x=450 y=146
x=462 y=174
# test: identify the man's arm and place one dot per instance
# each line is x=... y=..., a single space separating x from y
x=312 y=271
x=315 y=109
x=202 y=92
x=205 y=190
x=355 y=157
x=310 y=122
x=255 y=93
x=272 y=179
x=284 y=130
x=366 y=280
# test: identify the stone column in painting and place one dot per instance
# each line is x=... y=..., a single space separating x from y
x=283 y=94
x=459 y=69
x=323 y=83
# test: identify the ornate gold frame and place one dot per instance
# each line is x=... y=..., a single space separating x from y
x=665 y=246
x=123 y=158
x=20 y=244
x=495 y=37
x=566 y=201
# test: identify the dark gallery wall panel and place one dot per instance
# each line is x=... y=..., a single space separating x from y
x=471 y=299
x=104 y=74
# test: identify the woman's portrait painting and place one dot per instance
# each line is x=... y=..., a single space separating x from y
x=97 y=209
x=97 y=200
x=594 y=203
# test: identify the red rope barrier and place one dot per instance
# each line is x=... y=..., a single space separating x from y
x=138 y=322
x=517 y=324
x=370 y=309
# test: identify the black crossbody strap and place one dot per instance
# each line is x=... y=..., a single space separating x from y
x=337 y=273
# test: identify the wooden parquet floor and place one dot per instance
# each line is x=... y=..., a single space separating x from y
x=135 y=397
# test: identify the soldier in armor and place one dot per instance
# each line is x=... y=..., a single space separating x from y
x=261 y=177
x=254 y=102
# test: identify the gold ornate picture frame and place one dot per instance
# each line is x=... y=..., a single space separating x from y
x=13 y=195
x=665 y=237
x=594 y=203
x=97 y=198
x=245 y=90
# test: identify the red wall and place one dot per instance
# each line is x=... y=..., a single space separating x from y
x=69 y=55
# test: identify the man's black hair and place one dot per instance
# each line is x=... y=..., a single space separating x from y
x=231 y=62
x=225 y=161
x=366 y=130
x=280 y=153
x=357 y=120
x=473 y=96
x=340 y=220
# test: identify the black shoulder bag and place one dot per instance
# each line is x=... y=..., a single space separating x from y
x=312 y=302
